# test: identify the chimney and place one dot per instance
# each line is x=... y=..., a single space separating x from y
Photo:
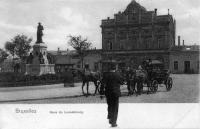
x=168 y=11
x=183 y=43
x=179 y=40
x=108 y=18
x=155 y=10
x=58 y=52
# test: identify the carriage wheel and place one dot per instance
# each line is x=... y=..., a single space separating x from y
x=84 y=90
x=149 y=87
x=98 y=87
x=169 y=84
x=154 y=86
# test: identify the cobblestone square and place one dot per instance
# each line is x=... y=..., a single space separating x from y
x=185 y=90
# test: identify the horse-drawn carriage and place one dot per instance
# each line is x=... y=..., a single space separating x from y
x=95 y=77
x=153 y=75
x=161 y=75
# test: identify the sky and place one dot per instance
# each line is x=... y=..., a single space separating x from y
x=62 y=18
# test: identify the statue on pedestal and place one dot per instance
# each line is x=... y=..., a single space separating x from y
x=37 y=62
x=39 y=33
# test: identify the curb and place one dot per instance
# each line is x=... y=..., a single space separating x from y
x=42 y=98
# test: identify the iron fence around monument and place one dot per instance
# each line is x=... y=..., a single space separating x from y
x=30 y=83
x=20 y=80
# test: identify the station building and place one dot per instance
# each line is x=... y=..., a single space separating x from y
x=137 y=34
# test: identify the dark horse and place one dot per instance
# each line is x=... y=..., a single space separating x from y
x=92 y=77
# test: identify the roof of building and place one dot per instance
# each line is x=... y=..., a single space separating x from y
x=62 y=52
x=134 y=5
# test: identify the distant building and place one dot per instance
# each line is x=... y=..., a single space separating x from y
x=62 y=60
x=184 y=61
x=12 y=65
x=93 y=58
x=7 y=65
x=138 y=29
x=136 y=34
x=70 y=59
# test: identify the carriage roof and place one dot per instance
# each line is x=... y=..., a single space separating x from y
x=155 y=62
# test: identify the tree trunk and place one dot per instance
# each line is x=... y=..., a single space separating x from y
x=82 y=62
x=13 y=63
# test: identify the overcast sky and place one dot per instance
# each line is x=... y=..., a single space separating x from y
x=83 y=17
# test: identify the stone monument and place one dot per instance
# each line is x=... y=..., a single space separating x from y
x=38 y=63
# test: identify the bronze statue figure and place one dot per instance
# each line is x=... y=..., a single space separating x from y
x=39 y=33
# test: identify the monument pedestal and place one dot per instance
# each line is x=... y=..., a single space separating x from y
x=39 y=64
x=40 y=69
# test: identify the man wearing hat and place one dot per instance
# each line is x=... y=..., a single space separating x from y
x=112 y=81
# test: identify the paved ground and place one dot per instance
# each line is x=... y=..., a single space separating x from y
x=185 y=90
x=16 y=94
x=132 y=111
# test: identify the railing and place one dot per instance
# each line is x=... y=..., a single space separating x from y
x=108 y=22
x=35 y=82
x=29 y=83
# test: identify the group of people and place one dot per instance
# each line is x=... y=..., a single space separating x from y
x=112 y=81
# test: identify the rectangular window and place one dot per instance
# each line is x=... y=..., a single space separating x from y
x=110 y=46
x=175 y=65
x=159 y=43
x=147 y=43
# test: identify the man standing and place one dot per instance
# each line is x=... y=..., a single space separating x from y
x=128 y=80
x=112 y=81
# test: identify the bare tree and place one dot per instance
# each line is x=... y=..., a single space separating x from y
x=80 y=44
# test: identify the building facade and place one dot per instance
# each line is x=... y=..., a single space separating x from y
x=184 y=61
x=70 y=59
x=138 y=29
x=136 y=34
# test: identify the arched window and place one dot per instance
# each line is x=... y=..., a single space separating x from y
x=159 y=43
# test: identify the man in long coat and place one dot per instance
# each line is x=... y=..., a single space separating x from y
x=112 y=81
x=128 y=80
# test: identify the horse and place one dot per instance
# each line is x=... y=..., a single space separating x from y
x=129 y=78
x=142 y=77
x=86 y=78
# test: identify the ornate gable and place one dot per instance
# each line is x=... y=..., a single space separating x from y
x=134 y=7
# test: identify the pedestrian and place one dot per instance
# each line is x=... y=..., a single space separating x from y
x=112 y=81
x=128 y=80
